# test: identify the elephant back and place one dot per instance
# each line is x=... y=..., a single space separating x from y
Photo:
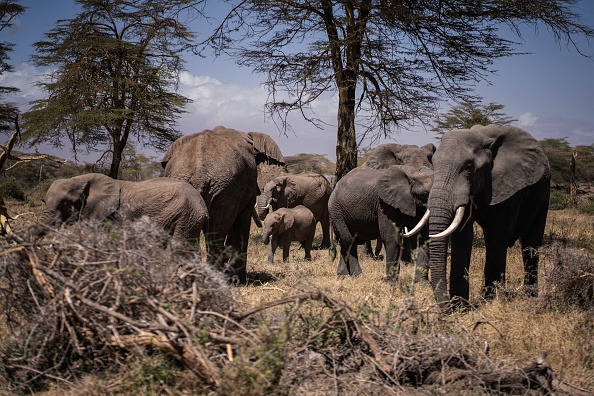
x=212 y=161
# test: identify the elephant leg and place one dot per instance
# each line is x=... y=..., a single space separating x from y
x=460 y=263
x=307 y=246
x=286 y=246
x=378 y=248
x=349 y=260
x=368 y=249
x=325 y=223
x=496 y=258
x=530 y=245
x=238 y=241
x=391 y=258
x=392 y=241
x=272 y=249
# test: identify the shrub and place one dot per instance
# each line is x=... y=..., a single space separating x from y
x=12 y=189
x=558 y=200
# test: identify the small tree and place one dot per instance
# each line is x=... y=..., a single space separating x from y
x=469 y=113
x=117 y=68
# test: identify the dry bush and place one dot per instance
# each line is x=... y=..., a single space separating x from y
x=295 y=328
x=570 y=282
x=82 y=302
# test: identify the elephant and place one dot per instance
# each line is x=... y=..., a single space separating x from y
x=368 y=203
x=172 y=204
x=386 y=155
x=498 y=176
x=309 y=189
x=221 y=163
x=286 y=225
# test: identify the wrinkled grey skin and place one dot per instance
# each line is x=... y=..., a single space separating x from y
x=386 y=155
x=287 y=225
x=501 y=175
x=309 y=189
x=368 y=203
x=221 y=164
x=172 y=204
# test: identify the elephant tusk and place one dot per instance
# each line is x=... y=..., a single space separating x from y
x=455 y=223
x=267 y=206
x=418 y=227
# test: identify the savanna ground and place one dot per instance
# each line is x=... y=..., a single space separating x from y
x=321 y=334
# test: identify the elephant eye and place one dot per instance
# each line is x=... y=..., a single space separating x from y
x=469 y=166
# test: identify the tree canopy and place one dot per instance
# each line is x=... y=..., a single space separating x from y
x=469 y=113
x=8 y=111
x=117 y=68
x=390 y=62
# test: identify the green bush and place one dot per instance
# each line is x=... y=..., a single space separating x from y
x=12 y=189
x=558 y=200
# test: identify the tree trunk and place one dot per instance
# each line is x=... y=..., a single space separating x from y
x=346 y=141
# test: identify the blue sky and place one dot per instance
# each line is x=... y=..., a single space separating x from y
x=550 y=91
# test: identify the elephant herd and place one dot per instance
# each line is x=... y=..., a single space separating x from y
x=413 y=200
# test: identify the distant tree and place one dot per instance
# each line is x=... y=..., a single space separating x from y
x=558 y=152
x=117 y=70
x=391 y=62
x=585 y=163
x=8 y=111
x=469 y=113
x=309 y=163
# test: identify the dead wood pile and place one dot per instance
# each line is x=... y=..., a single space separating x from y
x=92 y=294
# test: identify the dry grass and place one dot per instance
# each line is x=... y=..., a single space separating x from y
x=510 y=331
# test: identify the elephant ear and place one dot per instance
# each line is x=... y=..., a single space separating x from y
x=394 y=188
x=518 y=160
x=430 y=149
x=101 y=196
x=266 y=149
x=291 y=190
x=384 y=156
x=286 y=222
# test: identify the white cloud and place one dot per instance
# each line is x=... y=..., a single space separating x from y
x=527 y=119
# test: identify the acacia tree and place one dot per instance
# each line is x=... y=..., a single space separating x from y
x=8 y=111
x=469 y=113
x=391 y=62
x=117 y=67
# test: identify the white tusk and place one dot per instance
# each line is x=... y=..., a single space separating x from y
x=455 y=223
x=267 y=206
x=418 y=227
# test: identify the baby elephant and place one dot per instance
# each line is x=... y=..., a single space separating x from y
x=286 y=225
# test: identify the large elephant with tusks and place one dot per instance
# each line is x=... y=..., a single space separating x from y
x=222 y=165
x=498 y=176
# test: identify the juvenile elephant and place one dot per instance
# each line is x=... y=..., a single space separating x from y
x=172 y=204
x=386 y=155
x=287 y=225
x=367 y=202
x=311 y=190
x=222 y=165
x=498 y=176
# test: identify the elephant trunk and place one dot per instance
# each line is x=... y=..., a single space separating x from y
x=262 y=204
x=266 y=235
x=441 y=217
